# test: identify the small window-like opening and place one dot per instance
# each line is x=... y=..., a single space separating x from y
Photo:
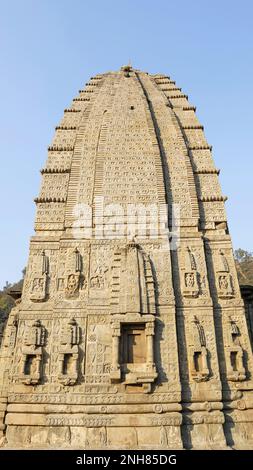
x=233 y=358
x=30 y=364
x=68 y=364
x=133 y=344
x=197 y=361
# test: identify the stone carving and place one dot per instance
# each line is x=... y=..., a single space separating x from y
x=39 y=281
x=132 y=267
x=224 y=279
x=97 y=280
x=133 y=350
x=190 y=275
x=234 y=352
x=32 y=353
x=69 y=353
x=199 y=364
x=130 y=331
x=73 y=279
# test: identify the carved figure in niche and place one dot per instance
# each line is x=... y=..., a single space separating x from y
x=235 y=366
x=39 y=282
x=13 y=332
x=72 y=285
x=225 y=287
x=97 y=280
x=223 y=283
x=189 y=280
x=190 y=275
x=69 y=353
x=199 y=364
x=32 y=353
x=73 y=279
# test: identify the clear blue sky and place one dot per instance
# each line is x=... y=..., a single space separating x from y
x=49 y=49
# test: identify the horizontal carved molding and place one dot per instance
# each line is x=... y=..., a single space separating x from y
x=213 y=198
x=207 y=171
x=55 y=170
x=171 y=89
x=200 y=147
x=81 y=99
x=65 y=128
x=161 y=77
x=189 y=108
x=198 y=126
x=57 y=148
x=72 y=110
x=175 y=97
x=39 y=200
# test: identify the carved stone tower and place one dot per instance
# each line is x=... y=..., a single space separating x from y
x=122 y=340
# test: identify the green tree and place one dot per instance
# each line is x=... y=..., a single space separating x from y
x=242 y=255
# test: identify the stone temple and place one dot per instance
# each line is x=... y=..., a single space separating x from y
x=131 y=330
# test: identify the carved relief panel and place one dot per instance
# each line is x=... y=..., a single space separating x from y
x=193 y=273
x=234 y=352
x=160 y=263
x=198 y=353
x=32 y=353
x=99 y=350
x=72 y=272
x=38 y=291
x=190 y=275
x=69 y=352
x=100 y=270
x=132 y=281
x=224 y=284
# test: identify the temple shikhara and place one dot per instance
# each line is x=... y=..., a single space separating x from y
x=131 y=331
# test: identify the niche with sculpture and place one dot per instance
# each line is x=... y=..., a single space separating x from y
x=73 y=278
x=199 y=368
x=189 y=276
x=69 y=353
x=224 y=279
x=234 y=352
x=39 y=281
x=32 y=353
x=133 y=309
